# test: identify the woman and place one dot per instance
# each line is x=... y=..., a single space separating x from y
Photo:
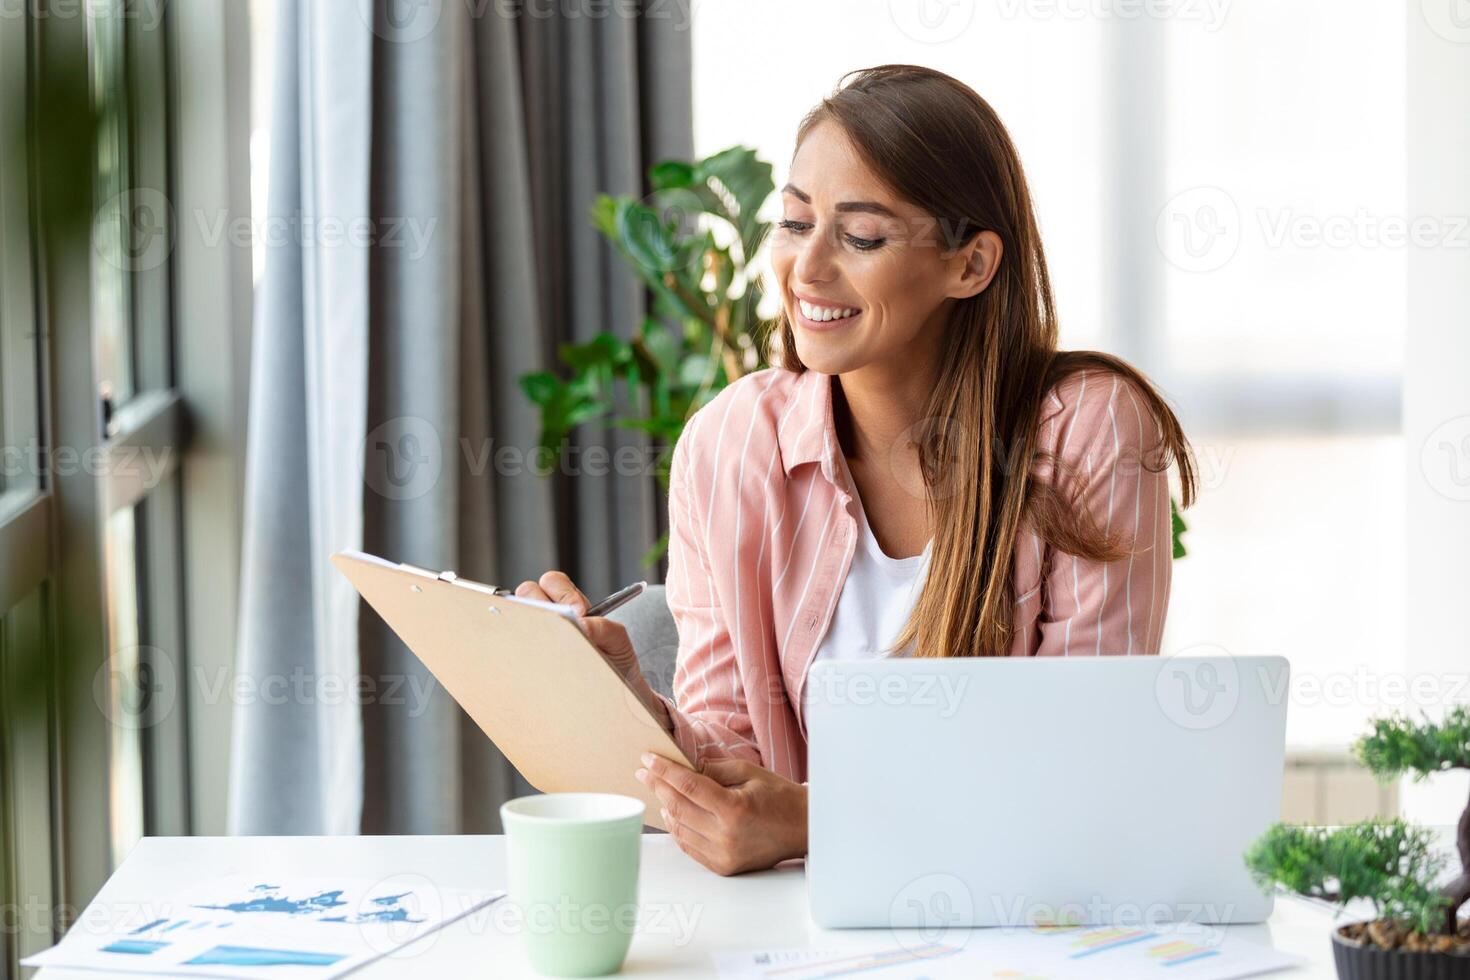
x=924 y=474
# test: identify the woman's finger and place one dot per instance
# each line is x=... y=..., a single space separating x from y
x=698 y=788
x=732 y=772
x=559 y=586
x=673 y=822
x=693 y=845
x=612 y=639
x=531 y=590
x=681 y=808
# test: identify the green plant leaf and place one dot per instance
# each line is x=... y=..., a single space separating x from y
x=742 y=174
x=1397 y=745
x=673 y=367
x=540 y=386
x=671 y=173
x=604 y=215
x=663 y=427
x=1387 y=862
x=661 y=345
x=585 y=412
x=603 y=351
x=692 y=372
x=743 y=181
x=648 y=238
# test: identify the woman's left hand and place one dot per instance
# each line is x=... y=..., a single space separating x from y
x=733 y=817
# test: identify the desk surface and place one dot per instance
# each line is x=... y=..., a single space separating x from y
x=686 y=912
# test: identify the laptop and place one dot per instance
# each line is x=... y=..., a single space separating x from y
x=1024 y=791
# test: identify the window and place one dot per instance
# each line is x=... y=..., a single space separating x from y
x=1287 y=325
x=101 y=738
x=26 y=707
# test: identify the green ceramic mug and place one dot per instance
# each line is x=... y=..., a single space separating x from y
x=572 y=862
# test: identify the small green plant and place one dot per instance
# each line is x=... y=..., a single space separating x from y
x=693 y=242
x=1391 y=864
x=1177 y=528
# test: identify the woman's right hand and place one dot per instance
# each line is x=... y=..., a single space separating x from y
x=610 y=638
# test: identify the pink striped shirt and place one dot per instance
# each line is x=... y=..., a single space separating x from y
x=761 y=535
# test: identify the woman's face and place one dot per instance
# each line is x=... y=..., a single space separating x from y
x=863 y=278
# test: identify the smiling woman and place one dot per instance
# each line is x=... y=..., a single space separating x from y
x=950 y=483
x=908 y=201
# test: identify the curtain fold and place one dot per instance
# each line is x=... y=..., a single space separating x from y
x=386 y=414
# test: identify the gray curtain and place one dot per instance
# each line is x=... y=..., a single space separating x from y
x=458 y=157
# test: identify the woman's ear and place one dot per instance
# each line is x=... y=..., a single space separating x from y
x=976 y=263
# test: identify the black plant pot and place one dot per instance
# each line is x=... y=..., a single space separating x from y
x=1368 y=962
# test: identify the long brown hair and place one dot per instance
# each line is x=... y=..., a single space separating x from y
x=940 y=146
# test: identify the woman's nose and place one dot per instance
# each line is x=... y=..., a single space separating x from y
x=814 y=257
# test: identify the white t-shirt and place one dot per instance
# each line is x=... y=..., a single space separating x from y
x=876 y=598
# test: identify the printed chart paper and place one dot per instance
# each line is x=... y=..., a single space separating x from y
x=1185 y=950
x=244 y=926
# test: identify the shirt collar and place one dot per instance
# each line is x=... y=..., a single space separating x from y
x=807 y=433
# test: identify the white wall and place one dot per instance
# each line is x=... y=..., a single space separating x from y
x=1437 y=376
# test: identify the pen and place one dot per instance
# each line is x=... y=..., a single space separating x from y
x=625 y=594
x=618 y=598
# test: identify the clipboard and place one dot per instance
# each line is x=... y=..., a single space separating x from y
x=526 y=673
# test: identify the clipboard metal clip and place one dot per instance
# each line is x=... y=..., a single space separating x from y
x=453 y=579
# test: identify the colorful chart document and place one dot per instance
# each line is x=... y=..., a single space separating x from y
x=1184 y=950
x=244 y=926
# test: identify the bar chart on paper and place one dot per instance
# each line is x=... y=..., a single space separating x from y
x=240 y=926
x=1038 y=953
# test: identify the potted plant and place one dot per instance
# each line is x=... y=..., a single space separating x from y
x=1416 y=931
x=694 y=242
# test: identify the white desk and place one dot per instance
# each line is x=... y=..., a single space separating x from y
x=686 y=912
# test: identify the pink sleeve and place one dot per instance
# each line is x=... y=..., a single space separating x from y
x=709 y=712
x=1105 y=432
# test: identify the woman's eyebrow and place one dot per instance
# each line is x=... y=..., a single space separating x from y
x=846 y=206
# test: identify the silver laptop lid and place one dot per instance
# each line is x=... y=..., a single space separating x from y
x=1015 y=790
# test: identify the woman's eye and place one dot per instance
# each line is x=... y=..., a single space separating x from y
x=856 y=241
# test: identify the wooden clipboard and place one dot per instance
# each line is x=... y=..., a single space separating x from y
x=526 y=673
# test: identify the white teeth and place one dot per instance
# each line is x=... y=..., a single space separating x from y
x=823 y=313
